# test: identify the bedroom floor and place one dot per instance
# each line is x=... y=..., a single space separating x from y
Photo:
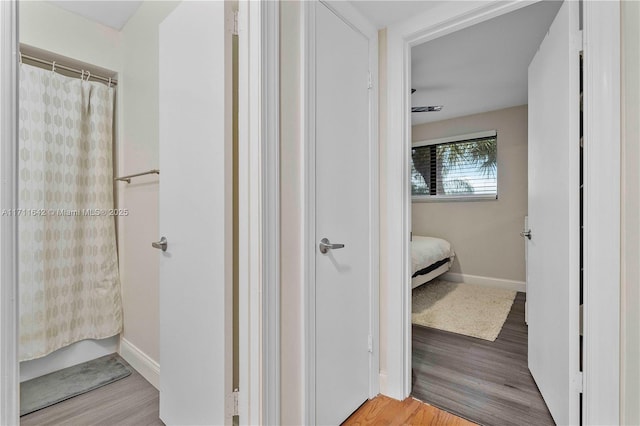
x=485 y=382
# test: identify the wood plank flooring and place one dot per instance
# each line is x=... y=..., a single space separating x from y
x=134 y=401
x=383 y=410
x=485 y=382
x=131 y=401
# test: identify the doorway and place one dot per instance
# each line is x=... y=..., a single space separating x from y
x=144 y=355
x=469 y=192
x=443 y=22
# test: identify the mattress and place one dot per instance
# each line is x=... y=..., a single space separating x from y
x=429 y=254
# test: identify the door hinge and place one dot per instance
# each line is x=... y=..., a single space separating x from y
x=370 y=82
x=232 y=403
x=578 y=382
x=236 y=23
x=233 y=23
x=580 y=41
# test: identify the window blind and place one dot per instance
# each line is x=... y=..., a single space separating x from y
x=461 y=168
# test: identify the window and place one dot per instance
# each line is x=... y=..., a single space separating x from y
x=462 y=167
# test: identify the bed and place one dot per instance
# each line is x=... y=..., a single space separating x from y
x=430 y=258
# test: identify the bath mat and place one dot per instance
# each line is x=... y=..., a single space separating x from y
x=472 y=310
x=58 y=386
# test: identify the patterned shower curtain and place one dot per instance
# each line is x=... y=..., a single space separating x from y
x=69 y=283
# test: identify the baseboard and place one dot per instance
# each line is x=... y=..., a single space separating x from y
x=73 y=354
x=485 y=281
x=383 y=382
x=141 y=362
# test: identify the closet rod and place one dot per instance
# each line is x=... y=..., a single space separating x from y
x=113 y=81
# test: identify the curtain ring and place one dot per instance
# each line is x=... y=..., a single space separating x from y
x=53 y=66
x=82 y=76
x=20 y=58
x=88 y=75
x=109 y=81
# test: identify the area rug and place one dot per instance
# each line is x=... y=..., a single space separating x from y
x=472 y=310
x=58 y=386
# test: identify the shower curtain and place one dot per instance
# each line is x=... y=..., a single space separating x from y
x=68 y=270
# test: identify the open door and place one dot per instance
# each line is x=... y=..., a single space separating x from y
x=195 y=214
x=553 y=287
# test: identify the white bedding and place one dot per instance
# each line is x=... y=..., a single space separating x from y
x=426 y=251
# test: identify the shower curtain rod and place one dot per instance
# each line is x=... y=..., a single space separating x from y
x=113 y=81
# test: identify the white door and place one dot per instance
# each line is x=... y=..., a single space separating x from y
x=195 y=214
x=553 y=289
x=343 y=275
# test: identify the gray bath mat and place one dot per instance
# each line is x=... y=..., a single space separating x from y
x=55 y=387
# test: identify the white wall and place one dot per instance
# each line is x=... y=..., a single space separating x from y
x=484 y=234
x=51 y=28
x=630 y=204
x=45 y=26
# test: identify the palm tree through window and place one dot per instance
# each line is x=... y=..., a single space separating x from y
x=458 y=168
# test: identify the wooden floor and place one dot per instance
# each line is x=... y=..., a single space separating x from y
x=131 y=401
x=383 y=410
x=486 y=382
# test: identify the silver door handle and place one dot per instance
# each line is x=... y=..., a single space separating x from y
x=526 y=234
x=162 y=244
x=325 y=246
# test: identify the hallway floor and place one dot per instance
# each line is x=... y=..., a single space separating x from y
x=383 y=410
x=485 y=382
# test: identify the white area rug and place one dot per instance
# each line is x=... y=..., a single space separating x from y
x=467 y=309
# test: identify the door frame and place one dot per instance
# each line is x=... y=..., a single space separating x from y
x=601 y=34
x=259 y=212
x=9 y=372
x=353 y=18
x=258 y=402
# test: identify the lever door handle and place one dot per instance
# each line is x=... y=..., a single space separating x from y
x=526 y=234
x=162 y=244
x=325 y=246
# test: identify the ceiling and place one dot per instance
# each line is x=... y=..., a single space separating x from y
x=385 y=13
x=481 y=68
x=114 y=13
